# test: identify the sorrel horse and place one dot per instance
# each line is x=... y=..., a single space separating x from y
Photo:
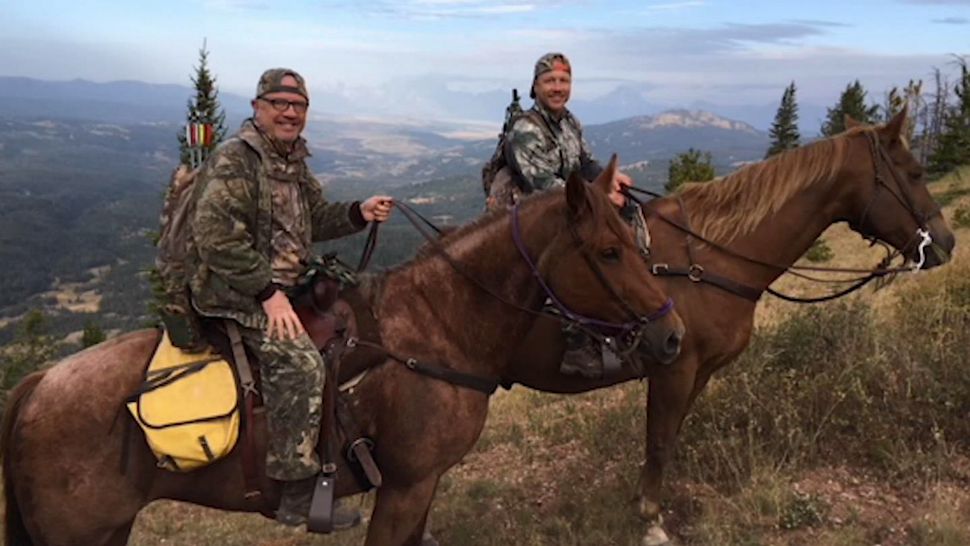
x=62 y=446
x=771 y=212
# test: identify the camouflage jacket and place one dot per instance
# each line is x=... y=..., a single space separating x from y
x=231 y=246
x=544 y=157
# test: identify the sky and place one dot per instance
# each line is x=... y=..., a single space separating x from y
x=674 y=52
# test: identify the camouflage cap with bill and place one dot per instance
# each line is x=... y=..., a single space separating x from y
x=548 y=63
x=272 y=82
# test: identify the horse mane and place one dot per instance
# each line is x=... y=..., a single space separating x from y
x=734 y=205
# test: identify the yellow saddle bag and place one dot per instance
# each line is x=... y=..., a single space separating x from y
x=188 y=407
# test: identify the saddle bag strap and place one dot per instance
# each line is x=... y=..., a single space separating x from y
x=248 y=386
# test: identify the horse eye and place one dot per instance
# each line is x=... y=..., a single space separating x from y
x=610 y=254
x=916 y=174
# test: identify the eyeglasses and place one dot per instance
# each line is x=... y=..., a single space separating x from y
x=281 y=105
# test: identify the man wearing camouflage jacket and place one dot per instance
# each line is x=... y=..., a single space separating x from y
x=258 y=210
x=547 y=145
x=544 y=147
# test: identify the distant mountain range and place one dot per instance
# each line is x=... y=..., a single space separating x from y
x=423 y=98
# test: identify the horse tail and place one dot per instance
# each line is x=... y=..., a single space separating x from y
x=16 y=531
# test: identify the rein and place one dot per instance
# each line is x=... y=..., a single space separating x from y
x=696 y=273
x=566 y=314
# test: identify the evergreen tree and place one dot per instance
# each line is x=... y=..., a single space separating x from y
x=894 y=103
x=852 y=103
x=93 y=334
x=953 y=146
x=690 y=166
x=31 y=348
x=203 y=109
x=784 y=131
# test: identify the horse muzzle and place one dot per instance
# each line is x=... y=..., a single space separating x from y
x=661 y=340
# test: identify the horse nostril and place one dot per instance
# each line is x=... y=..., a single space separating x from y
x=672 y=344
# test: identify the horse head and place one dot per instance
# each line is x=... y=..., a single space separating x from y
x=594 y=267
x=893 y=203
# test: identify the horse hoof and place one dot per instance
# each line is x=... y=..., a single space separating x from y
x=656 y=537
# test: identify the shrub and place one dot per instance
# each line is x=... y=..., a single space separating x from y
x=819 y=251
x=961 y=217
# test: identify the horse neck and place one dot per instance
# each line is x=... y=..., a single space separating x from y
x=788 y=229
x=441 y=304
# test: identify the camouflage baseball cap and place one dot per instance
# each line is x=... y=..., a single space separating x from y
x=272 y=82
x=550 y=62
x=547 y=63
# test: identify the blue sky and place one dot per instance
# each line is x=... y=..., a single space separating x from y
x=676 y=52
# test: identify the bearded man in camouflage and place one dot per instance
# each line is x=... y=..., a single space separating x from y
x=258 y=210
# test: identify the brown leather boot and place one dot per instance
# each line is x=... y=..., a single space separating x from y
x=295 y=506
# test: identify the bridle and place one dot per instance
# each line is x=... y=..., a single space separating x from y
x=880 y=157
x=904 y=197
x=624 y=337
x=628 y=334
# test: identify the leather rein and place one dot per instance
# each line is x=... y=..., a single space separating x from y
x=695 y=272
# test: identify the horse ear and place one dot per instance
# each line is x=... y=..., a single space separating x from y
x=895 y=126
x=605 y=179
x=850 y=121
x=576 y=198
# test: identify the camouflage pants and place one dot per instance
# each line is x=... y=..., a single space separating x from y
x=292 y=374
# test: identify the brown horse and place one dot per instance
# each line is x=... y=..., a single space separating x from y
x=465 y=307
x=772 y=212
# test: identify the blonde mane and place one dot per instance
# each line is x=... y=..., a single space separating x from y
x=734 y=205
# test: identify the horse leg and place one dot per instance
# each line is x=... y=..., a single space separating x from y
x=121 y=534
x=670 y=397
x=400 y=513
x=669 y=401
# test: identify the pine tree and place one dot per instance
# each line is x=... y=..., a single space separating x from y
x=93 y=334
x=894 y=103
x=953 y=147
x=31 y=348
x=203 y=109
x=690 y=166
x=784 y=130
x=852 y=103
